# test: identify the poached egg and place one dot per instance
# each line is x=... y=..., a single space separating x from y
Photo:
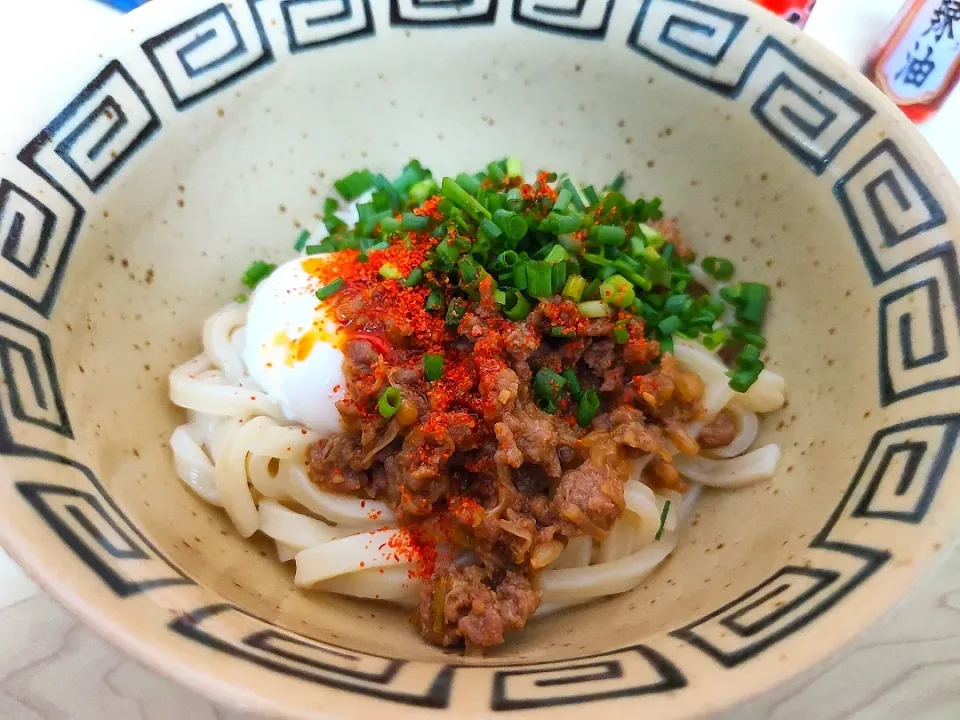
x=292 y=346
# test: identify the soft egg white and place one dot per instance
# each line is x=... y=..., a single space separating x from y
x=292 y=348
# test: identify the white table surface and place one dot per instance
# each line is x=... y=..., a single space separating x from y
x=53 y=668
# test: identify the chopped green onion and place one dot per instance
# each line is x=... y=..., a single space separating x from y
x=330 y=288
x=389 y=225
x=514 y=199
x=590 y=193
x=520 y=276
x=547 y=385
x=556 y=255
x=669 y=325
x=563 y=199
x=574 y=287
x=456 y=311
x=677 y=304
x=455 y=193
x=539 y=279
x=389 y=402
x=663 y=519
x=490 y=228
x=412 y=221
x=256 y=272
x=620 y=332
x=514 y=226
x=448 y=252
x=330 y=205
x=433 y=366
x=566 y=224
x=612 y=235
x=514 y=167
x=421 y=191
x=434 y=300
x=587 y=408
x=617 y=290
x=409 y=176
x=618 y=183
x=507 y=260
x=355 y=184
x=469 y=268
x=573 y=384
x=719 y=268
x=753 y=302
x=594 y=259
x=651 y=237
x=716 y=338
x=414 y=278
x=324 y=246
x=515 y=305
x=574 y=195
x=333 y=224
x=495 y=173
x=742 y=380
x=470 y=183
x=746 y=335
x=389 y=271
x=592 y=291
x=301 y=241
x=594 y=309
x=653 y=209
x=241 y=298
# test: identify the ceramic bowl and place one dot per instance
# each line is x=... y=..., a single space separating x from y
x=207 y=133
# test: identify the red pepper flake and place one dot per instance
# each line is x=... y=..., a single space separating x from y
x=362 y=564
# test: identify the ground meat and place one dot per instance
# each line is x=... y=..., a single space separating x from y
x=508 y=452
x=600 y=356
x=720 y=432
x=332 y=463
x=520 y=341
x=665 y=475
x=590 y=499
x=467 y=605
x=364 y=371
x=538 y=436
x=572 y=351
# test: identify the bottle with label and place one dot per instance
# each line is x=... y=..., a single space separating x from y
x=917 y=62
x=795 y=12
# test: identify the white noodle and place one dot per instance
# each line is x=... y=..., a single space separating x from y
x=292 y=529
x=286 y=553
x=193 y=465
x=331 y=506
x=760 y=464
x=586 y=583
x=347 y=555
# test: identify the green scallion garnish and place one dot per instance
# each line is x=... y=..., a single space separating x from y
x=257 y=272
x=719 y=268
x=355 y=184
x=587 y=407
x=663 y=519
x=330 y=289
x=389 y=402
x=433 y=366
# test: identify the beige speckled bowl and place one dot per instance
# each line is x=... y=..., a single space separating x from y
x=208 y=133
